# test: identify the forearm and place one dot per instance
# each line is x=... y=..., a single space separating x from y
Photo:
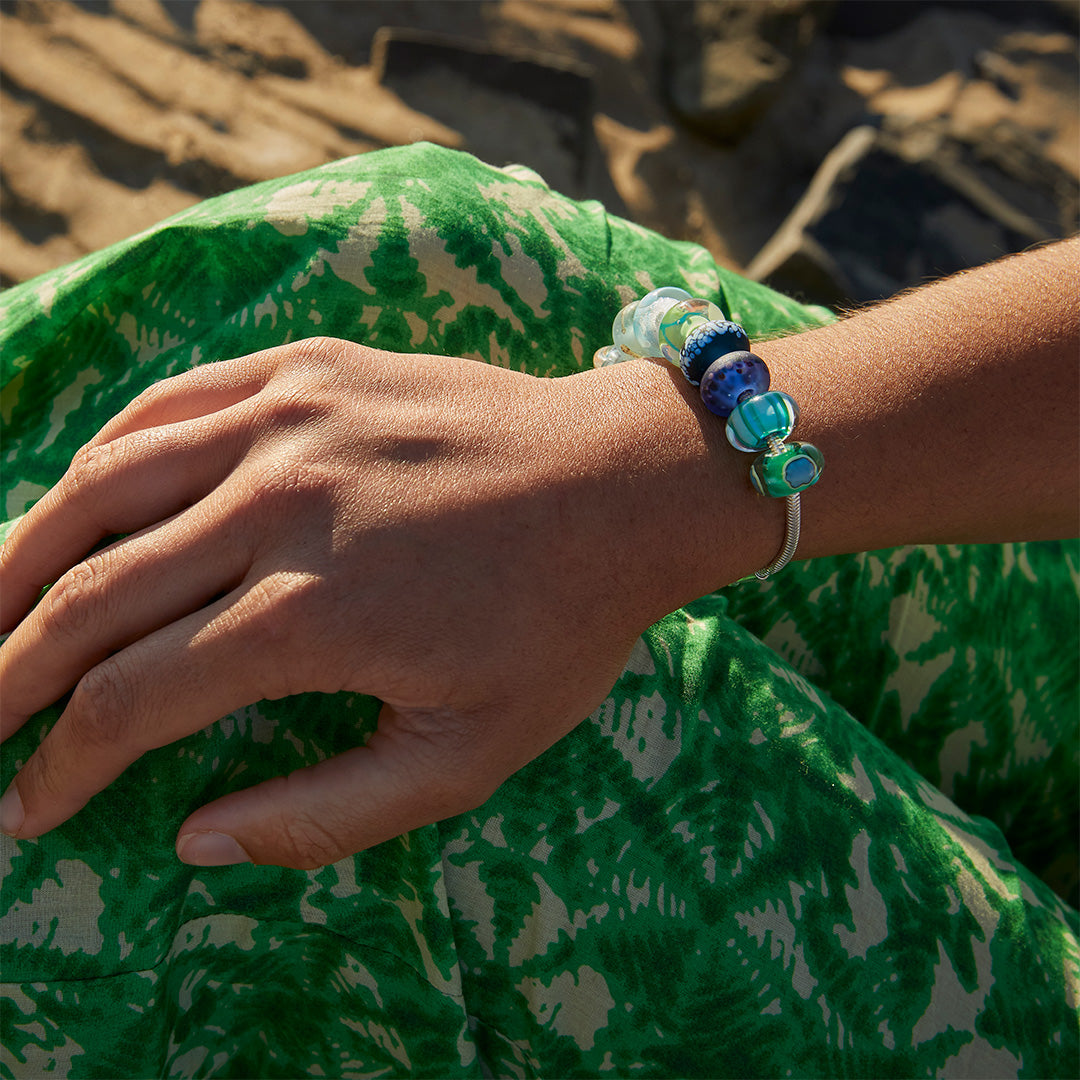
x=947 y=415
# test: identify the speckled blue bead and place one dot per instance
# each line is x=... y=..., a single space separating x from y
x=752 y=421
x=708 y=343
x=731 y=379
x=796 y=467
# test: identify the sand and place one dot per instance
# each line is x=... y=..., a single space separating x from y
x=116 y=114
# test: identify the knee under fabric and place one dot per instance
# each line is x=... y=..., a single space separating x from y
x=769 y=852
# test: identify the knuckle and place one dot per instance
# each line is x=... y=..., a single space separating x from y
x=448 y=763
x=70 y=604
x=283 y=604
x=277 y=620
x=305 y=843
x=90 y=463
x=146 y=401
x=42 y=782
x=291 y=484
x=305 y=391
x=320 y=345
x=319 y=353
x=149 y=396
x=101 y=706
x=290 y=406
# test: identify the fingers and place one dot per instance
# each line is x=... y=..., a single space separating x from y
x=109 y=601
x=202 y=391
x=121 y=486
x=164 y=686
x=420 y=766
x=164 y=451
x=415 y=770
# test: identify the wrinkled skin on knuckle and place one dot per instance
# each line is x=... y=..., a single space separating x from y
x=43 y=784
x=289 y=404
x=306 y=845
x=90 y=466
x=447 y=753
x=311 y=382
x=301 y=840
x=146 y=399
x=102 y=706
x=292 y=485
x=71 y=605
x=282 y=617
x=319 y=352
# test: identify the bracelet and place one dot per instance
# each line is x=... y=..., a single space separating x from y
x=714 y=355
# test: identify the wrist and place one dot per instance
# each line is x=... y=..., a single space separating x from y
x=686 y=519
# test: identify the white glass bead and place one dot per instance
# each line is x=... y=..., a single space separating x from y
x=622 y=330
x=650 y=310
x=607 y=355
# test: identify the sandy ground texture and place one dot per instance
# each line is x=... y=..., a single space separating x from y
x=117 y=113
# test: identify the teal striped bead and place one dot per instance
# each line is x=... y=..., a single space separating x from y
x=679 y=321
x=754 y=420
x=793 y=468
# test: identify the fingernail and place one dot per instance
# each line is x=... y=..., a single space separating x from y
x=210 y=849
x=12 y=813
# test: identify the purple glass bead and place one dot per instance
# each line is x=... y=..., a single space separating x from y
x=731 y=379
x=708 y=343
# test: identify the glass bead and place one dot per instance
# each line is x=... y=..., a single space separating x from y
x=708 y=343
x=650 y=310
x=622 y=330
x=607 y=355
x=794 y=468
x=679 y=321
x=752 y=421
x=733 y=378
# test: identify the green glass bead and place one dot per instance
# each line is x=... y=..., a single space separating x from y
x=793 y=468
x=754 y=420
x=677 y=323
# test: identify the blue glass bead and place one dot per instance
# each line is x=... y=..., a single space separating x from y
x=708 y=343
x=752 y=421
x=678 y=323
x=735 y=377
x=796 y=467
x=650 y=310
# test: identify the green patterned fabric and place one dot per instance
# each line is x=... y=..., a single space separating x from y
x=781 y=847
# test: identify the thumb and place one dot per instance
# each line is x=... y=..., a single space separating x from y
x=417 y=768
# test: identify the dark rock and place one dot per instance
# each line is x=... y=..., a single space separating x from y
x=859 y=19
x=874 y=221
x=726 y=61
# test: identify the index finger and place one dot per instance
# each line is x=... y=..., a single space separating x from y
x=200 y=391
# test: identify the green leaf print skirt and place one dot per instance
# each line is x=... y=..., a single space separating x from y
x=816 y=829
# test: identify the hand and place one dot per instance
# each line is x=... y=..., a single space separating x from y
x=324 y=517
